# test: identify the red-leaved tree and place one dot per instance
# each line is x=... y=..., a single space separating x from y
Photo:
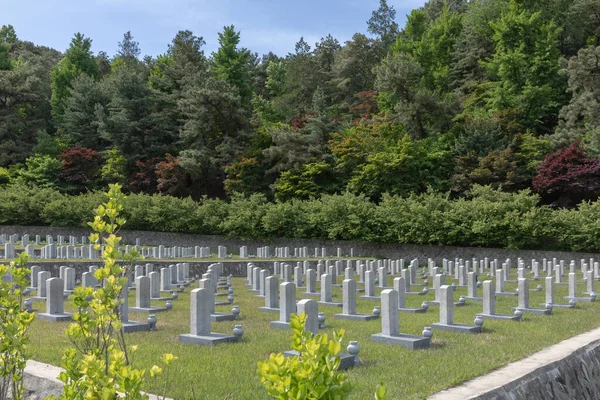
x=567 y=177
x=79 y=167
x=172 y=178
x=144 y=179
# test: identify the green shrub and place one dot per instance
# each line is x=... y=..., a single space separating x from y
x=71 y=211
x=312 y=374
x=244 y=217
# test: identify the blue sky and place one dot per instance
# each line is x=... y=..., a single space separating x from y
x=265 y=25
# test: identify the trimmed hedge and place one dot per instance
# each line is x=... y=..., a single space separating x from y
x=488 y=218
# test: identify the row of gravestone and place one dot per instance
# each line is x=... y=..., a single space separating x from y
x=63 y=249
x=285 y=252
x=393 y=299
x=202 y=306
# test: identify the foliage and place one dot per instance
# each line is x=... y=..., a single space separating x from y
x=171 y=177
x=568 y=176
x=99 y=365
x=79 y=167
x=312 y=374
x=113 y=170
x=41 y=171
x=78 y=60
x=14 y=326
x=381 y=392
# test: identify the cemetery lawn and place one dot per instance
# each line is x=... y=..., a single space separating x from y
x=228 y=371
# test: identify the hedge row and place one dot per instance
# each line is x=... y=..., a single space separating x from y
x=488 y=218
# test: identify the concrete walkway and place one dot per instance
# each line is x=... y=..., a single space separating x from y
x=40 y=381
x=519 y=369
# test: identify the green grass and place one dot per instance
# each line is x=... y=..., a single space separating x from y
x=229 y=371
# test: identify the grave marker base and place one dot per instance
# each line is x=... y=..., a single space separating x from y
x=558 y=305
x=356 y=317
x=411 y=342
x=459 y=328
x=346 y=360
x=310 y=294
x=133 y=326
x=499 y=317
x=280 y=325
x=538 y=311
x=268 y=309
x=207 y=340
x=218 y=317
x=506 y=294
x=413 y=310
x=584 y=299
x=161 y=298
x=375 y=298
x=147 y=309
x=55 y=317
x=329 y=303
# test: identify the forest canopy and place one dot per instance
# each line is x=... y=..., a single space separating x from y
x=500 y=93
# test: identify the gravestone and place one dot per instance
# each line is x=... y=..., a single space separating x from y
x=500 y=284
x=200 y=318
x=287 y=305
x=447 y=314
x=472 y=287
x=573 y=290
x=390 y=325
x=400 y=287
x=550 y=296
x=69 y=279
x=524 y=300
x=349 y=303
x=370 y=287
x=129 y=326
x=43 y=276
x=327 y=292
x=165 y=280
x=311 y=283
x=271 y=296
x=489 y=305
x=311 y=309
x=88 y=280
x=33 y=280
x=143 y=296
x=55 y=302
x=298 y=277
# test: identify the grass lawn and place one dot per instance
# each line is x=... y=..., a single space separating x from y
x=229 y=371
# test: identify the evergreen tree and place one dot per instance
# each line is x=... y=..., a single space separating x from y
x=78 y=60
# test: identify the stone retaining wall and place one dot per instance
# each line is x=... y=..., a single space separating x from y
x=569 y=370
x=363 y=249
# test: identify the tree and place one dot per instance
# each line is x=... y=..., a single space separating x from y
x=79 y=125
x=382 y=24
x=114 y=168
x=325 y=52
x=580 y=119
x=78 y=60
x=417 y=108
x=568 y=176
x=308 y=181
x=129 y=49
x=131 y=121
x=214 y=134
x=22 y=112
x=353 y=67
x=171 y=177
x=230 y=63
x=79 y=168
x=41 y=171
x=144 y=179
x=524 y=69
